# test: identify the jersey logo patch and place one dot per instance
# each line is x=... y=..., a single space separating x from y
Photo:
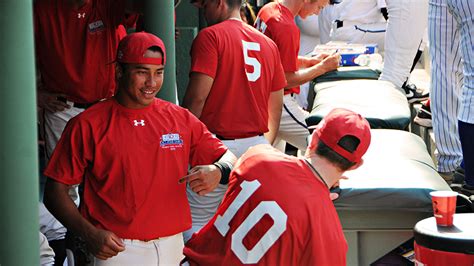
x=171 y=141
x=81 y=15
x=96 y=26
x=139 y=123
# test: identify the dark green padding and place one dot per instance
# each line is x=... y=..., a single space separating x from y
x=380 y=102
x=342 y=73
x=348 y=73
x=398 y=174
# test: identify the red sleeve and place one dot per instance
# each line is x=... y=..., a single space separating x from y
x=279 y=79
x=116 y=9
x=287 y=41
x=72 y=154
x=204 y=54
x=205 y=148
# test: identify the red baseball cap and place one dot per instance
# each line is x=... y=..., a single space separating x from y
x=339 y=123
x=132 y=48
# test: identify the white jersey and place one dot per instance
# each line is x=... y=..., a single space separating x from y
x=360 y=11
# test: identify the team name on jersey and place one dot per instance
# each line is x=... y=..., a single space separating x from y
x=171 y=141
x=96 y=26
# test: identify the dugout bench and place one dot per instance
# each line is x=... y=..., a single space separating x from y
x=382 y=200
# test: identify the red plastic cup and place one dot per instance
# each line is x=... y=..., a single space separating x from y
x=444 y=206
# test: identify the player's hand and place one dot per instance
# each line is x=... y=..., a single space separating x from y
x=104 y=244
x=50 y=102
x=331 y=62
x=318 y=58
x=335 y=190
x=333 y=196
x=202 y=179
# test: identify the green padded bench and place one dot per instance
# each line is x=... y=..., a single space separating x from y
x=348 y=73
x=382 y=200
x=380 y=102
x=342 y=73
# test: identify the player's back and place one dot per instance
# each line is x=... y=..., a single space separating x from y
x=275 y=213
x=246 y=68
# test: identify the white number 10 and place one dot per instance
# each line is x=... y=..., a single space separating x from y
x=251 y=46
x=271 y=208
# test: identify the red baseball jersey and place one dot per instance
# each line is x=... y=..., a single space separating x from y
x=275 y=212
x=246 y=68
x=130 y=161
x=277 y=22
x=75 y=46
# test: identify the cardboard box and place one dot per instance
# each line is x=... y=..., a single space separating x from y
x=348 y=51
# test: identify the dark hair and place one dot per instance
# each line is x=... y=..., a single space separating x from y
x=123 y=66
x=156 y=49
x=349 y=143
x=249 y=12
x=234 y=3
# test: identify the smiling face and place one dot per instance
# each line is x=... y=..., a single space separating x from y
x=312 y=7
x=139 y=83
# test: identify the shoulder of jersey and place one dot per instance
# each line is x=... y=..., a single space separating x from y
x=261 y=150
x=97 y=109
x=171 y=107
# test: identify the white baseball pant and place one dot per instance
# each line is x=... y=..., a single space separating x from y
x=293 y=128
x=446 y=80
x=162 y=251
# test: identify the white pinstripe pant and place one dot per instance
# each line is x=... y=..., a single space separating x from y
x=446 y=80
x=463 y=13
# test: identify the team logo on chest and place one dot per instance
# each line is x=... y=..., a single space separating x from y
x=96 y=26
x=171 y=141
x=139 y=123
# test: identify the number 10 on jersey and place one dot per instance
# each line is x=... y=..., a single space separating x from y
x=271 y=208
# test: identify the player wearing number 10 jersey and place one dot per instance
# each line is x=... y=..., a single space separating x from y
x=235 y=88
x=277 y=210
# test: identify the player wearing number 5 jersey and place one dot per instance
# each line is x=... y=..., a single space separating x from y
x=277 y=210
x=235 y=88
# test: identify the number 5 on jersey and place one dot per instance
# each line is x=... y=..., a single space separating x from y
x=251 y=61
x=271 y=208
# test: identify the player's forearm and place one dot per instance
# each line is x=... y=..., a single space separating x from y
x=275 y=104
x=304 y=75
x=60 y=204
x=195 y=106
x=305 y=62
x=196 y=93
x=228 y=157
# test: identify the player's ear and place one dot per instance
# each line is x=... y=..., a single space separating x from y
x=118 y=71
x=357 y=165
